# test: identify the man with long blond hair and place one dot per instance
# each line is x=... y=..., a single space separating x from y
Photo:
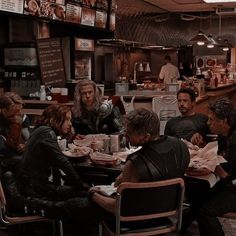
x=91 y=114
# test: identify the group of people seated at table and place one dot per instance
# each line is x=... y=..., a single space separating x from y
x=160 y=157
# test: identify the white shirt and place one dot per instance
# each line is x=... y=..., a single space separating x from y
x=169 y=73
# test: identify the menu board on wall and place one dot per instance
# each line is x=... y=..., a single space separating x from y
x=15 y=6
x=84 y=44
x=113 y=21
x=88 y=17
x=51 y=61
x=47 y=9
x=73 y=13
x=101 y=19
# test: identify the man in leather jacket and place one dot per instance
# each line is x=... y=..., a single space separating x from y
x=159 y=158
x=91 y=115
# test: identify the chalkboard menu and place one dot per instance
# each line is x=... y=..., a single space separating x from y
x=51 y=61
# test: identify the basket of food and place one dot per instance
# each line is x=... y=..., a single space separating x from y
x=80 y=153
x=99 y=158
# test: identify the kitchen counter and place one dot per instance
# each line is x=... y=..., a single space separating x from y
x=143 y=98
x=36 y=107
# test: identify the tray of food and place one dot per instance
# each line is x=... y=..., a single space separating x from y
x=104 y=159
x=78 y=152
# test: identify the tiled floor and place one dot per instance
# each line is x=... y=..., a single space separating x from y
x=229 y=227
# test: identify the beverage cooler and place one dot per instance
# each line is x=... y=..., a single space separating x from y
x=21 y=70
x=83 y=59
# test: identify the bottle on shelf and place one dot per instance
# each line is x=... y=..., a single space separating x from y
x=42 y=93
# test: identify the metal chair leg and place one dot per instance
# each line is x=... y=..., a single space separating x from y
x=100 y=229
x=60 y=228
x=57 y=227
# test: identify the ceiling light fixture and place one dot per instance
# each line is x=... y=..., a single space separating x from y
x=200 y=38
x=218 y=1
x=226 y=46
x=212 y=42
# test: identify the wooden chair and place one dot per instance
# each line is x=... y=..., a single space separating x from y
x=145 y=209
x=7 y=220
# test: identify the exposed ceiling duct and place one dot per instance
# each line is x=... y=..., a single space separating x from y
x=226 y=11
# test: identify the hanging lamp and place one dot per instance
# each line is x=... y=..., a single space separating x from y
x=212 y=42
x=200 y=38
x=224 y=44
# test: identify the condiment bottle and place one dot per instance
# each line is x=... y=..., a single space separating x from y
x=216 y=81
x=42 y=93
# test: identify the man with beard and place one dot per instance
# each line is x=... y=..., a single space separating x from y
x=189 y=125
x=192 y=127
x=222 y=197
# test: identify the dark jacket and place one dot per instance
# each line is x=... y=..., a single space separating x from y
x=41 y=156
x=165 y=158
x=94 y=122
x=227 y=148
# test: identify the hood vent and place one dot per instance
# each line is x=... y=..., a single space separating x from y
x=127 y=43
x=226 y=11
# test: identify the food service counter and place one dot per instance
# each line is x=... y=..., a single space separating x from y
x=143 y=98
x=222 y=90
x=36 y=107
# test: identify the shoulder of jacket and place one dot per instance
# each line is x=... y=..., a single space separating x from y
x=46 y=130
x=105 y=108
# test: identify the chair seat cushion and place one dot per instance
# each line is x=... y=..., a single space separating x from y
x=140 y=226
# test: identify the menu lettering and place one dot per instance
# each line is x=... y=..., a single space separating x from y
x=12 y=6
x=51 y=62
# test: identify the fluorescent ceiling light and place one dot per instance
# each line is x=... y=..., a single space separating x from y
x=218 y=1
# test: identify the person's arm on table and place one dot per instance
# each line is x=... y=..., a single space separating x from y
x=108 y=203
x=219 y=171
x=198 y=140
x=129 y=174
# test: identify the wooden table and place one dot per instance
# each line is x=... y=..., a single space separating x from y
x=96 y=174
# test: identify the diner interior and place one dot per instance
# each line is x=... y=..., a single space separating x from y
x=48 y=47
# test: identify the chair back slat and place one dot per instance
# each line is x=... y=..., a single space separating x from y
x=166 y=107
x=2 y=196
x=149 y=200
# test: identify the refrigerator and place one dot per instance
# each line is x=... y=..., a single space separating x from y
x=83 y=59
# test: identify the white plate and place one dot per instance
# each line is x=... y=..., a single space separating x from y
x=80 y=152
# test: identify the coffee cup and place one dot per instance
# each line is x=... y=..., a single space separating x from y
x=97 y=145
x=56 y=94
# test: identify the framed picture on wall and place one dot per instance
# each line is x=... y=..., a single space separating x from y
x=210 y=62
